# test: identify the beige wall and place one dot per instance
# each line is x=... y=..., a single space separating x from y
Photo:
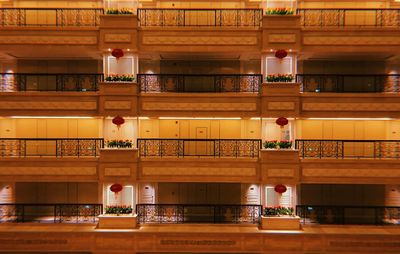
x=348 y=129
x=342 y=67
x=53 y=3
x=50 y=128
x=199 y=193
x=342 y=194
x=57 y=193
x=206 y=129
x=7 y=193
x=344 y=4
x=200 y=67
x=59 y=66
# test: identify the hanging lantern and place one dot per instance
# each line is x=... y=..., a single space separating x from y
x=282 y=121
x=280 y=53
x=116 y=187
x=280 y=188
x=118 y=121
x=117 y=53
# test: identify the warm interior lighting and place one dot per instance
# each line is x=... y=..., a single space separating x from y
x=53 y=117
x=199 y=118
x=351 y=119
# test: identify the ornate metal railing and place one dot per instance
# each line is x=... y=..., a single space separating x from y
x=322 y=214
x=199 y=147
x=349 y=17
x=377 y=149
x=13 y=82
x=187 y=213
x=50 y=16
x=199 y=83
x=55 y=213
x=52 y=147
x=349 y=83
x=200 y=17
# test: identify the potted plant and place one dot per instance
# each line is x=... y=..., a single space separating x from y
x=280 y=78
x=119 y=143
x=119 y=78
x=271 y=144
x=285 y=144
x=116 y=209
x=279 y=11
x=114 y=11
x=111 y=219
x=280 y=218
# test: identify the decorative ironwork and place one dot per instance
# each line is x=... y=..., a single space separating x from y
x=55 y=213
x=199 y=83
x=377 y=149
x=349 y=17
x=350 y=83
x=382 y=215
x=199 y=147
x=200 y=17
x=14 y=82
x=24 y=147
x=50 y=17
x=183 y=213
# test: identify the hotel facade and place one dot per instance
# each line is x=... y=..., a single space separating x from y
x=199 y=127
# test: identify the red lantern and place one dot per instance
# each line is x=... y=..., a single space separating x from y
x=280 y=53
x=118 y=121
x=116 y=187
x=117 y=53
x=280 y=188
x=282 y=121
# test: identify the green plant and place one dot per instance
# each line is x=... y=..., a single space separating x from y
x=271 y=144
x=278 y=211
x=280 y=78
x=118 y=209
x=279 y=11
x=285 y=144
x=118 y=11
x=119 y=143
x=119 y=78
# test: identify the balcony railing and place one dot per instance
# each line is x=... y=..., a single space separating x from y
x=60 y=17
x=199 y=83
x=376 y=215
x=199 y=147
x=200 y=17
x=50 y=213
x=350 y=83
x=339 y=149
x=50 y=147
x=14 y=82
x=349 y=17
x=175 y=214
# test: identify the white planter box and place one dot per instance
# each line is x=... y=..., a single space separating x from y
x=110 y=221
x=281 y=223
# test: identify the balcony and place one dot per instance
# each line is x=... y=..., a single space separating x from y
x=349 y=161
x=338 y=18
x=187 y=213
x=48 y=17
x=50 y=213
x=200 y=17
x=199 y=83
x=218 y=160
x=57 y=82
x=352 y=83
x=367 y=215
x=180 y=148
x=50 y=147
x=345 y=149
x=199 y=95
